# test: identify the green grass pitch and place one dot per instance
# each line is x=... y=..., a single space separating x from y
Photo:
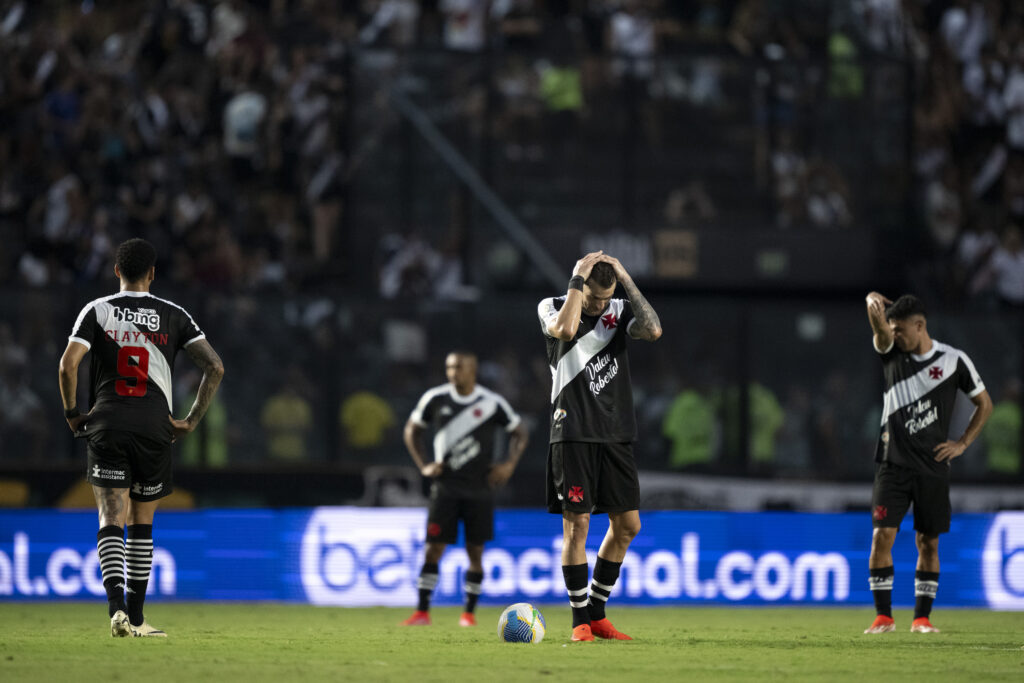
x=273 y=642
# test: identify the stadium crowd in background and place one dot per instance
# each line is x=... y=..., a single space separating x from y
x=215 y=129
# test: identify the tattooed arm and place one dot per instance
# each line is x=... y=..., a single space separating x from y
x=646 y=324
x=209 y=362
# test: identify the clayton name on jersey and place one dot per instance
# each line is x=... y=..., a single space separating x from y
x=134 y=337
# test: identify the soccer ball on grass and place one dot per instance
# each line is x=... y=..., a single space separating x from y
x=521 y=623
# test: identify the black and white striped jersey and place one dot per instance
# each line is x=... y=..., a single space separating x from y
x=591 y=393
x=920 y=392
x=465 y=429
x=133 y=337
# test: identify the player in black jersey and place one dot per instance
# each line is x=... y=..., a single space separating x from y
x=466 y=419
x=922 y=378
x=590 y=464
x=134 y=337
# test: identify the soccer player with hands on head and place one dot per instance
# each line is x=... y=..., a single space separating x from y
x=914 y=451
x=590 y=465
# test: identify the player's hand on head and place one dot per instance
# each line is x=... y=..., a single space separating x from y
x=620 y=270
x=877 y=302
x=586 y=264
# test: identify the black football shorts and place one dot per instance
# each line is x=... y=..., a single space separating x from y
x=897 y=487
x=445 y=511
x=592 y=477
x=119 y=460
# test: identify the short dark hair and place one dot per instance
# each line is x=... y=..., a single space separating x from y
x=907 y=306
x=602 y=275
x=134 y=259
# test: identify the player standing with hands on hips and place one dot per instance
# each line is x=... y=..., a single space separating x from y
x=922 y=377
x=590 y=466
x=134 y=337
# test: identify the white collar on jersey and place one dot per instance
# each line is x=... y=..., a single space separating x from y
x=929 y=354
x=464 y=400
x=132 y=292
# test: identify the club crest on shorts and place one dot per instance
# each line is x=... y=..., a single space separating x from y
x=576 y=494
x=879 y=513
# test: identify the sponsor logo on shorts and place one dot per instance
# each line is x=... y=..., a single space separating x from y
x=103 y=473
x=147 y=490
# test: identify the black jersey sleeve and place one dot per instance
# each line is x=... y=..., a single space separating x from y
x=968 y=379
x=188 y=331
x=506 y=416
x=423 y=413
x=86 y=327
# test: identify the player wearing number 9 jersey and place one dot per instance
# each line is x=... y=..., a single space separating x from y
x=134 y=337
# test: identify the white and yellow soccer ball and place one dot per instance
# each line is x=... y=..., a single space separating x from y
x=521 y=623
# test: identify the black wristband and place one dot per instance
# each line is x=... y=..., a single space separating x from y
x=576 y=282
x=71 y=413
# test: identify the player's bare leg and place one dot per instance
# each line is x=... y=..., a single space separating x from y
x=426 y=584
x=881 y=572
x=575 y=526
x=926 y=582
x=473 y=580
x=112 y=505
x=622 y=529
x=139 y=560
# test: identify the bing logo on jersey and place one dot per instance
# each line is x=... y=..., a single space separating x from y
x=142 y=316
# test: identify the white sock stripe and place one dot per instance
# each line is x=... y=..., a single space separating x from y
x=598 y=596
x=877 y=584
x=602 y=586
x=107 y=543
x=141 y=576
x=427 y=582
x=474 y=588
x=139 y=556
x=578 y=604
x=576 y=593
x=927 y=589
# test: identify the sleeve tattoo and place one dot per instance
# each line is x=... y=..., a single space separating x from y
x=647 y=325
x=203 y=355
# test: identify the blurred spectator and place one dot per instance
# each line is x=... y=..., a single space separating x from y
x=689 y=424
x=1003 y=430
x=207 y=446
x=365 y=418
x=287 y=419
x=1003 y=273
